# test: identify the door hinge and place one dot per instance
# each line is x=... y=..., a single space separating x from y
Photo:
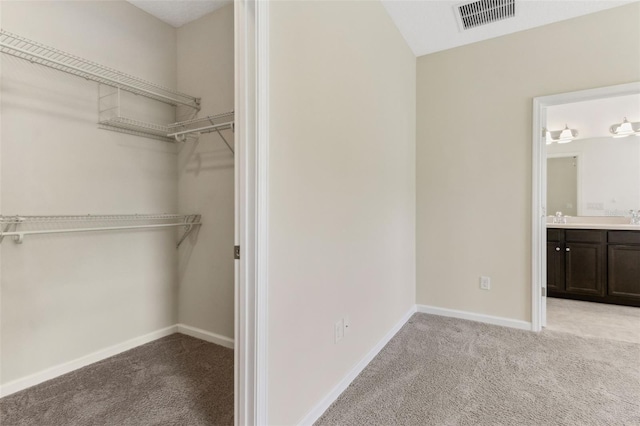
x=236 y=252
x=544 y=292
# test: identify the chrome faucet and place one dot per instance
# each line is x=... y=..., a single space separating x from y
x=635 y=217
x=559 y=218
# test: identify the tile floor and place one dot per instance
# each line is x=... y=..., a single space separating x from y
x=589 y=319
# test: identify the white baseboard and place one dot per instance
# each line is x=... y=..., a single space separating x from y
x=207 y=336
x=322 y=406
x=488 y=319
x=67 y=367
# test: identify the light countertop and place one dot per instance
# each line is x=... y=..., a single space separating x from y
x=594 y=222
x=626 y=226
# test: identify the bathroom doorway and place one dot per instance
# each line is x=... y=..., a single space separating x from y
x=541 y=207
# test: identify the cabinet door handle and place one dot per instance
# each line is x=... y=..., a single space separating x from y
x=557 y=248
x=567 y=249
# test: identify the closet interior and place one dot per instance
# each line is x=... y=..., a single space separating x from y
x=116 y=183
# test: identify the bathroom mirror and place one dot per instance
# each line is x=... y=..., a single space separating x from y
x=595 y=174
x=562 y=195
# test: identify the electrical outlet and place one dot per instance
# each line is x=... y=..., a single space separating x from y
x=485 y=283
x=339 y=330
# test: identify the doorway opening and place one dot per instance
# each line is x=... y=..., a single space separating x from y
x=576 y=254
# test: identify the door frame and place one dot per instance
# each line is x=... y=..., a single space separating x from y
x=251 y=51
x=539 y=188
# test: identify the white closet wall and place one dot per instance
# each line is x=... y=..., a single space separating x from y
x=206 y=176
x=65 y=296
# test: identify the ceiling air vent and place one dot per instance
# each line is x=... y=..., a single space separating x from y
x=474 y=14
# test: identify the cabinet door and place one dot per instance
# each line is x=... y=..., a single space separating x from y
x=624 y=271
x=585 y=268
x=555 y=266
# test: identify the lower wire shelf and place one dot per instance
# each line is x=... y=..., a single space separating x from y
x=20 y=226
x=176 y=132
x=137 y=128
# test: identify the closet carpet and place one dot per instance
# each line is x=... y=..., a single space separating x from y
x=445 y=371
x=176 y=380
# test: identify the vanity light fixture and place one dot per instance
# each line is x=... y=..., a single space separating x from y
x=565 y=135
x=625 y=129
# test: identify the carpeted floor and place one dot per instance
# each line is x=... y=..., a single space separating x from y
x=445 y=371
x=176 y=380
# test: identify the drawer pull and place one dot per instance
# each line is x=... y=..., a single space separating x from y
x=567 y=249
x=557 y=248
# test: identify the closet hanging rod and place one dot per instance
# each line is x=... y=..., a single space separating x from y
x=32 y=51
x=92 y=217
x=9 y=222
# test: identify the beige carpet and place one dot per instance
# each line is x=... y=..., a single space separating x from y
x=594 y=319
x=444 y=371
x=177 y=380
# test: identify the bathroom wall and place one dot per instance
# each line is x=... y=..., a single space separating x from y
x=68 y=295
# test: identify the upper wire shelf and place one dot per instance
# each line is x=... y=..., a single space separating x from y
x=32 y=51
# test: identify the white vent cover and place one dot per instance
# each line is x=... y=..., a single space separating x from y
x=481 y=12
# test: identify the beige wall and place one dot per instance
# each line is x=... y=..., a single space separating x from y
x=65 y=296
x=206 y=178
x=342 y=191
x=474 y=115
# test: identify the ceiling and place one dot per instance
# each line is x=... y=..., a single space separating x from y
x=593 y=118
x=179 y=12
x=428 y=26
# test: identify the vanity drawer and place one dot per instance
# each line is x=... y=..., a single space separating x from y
x=554 y=234
x=624 y=237
x=585 y=236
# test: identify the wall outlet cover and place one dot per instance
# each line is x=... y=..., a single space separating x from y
x=339 y=330
x=485 y=283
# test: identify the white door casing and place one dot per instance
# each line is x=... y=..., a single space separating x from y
x=539 y=188
x=251 y=204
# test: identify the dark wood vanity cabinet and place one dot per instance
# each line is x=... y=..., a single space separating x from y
x=585 y=261
x=594 y=265
x=624 y=264
x=555 y=260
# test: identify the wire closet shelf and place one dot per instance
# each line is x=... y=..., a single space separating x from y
x=38 y=53
x=19 y=226
x=42 y=54
x=198 y=126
